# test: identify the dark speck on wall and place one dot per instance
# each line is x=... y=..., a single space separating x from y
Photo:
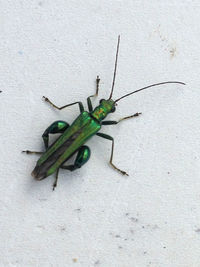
x=172 y=51
x=41 y=227
x=42 y=199
x=133 y=219
x=150 y=226
x=78 y=210
x=115 y=235
x=62 y=229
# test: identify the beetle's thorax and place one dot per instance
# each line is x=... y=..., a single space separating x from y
x=101 y=111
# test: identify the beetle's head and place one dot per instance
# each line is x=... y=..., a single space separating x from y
x=108 y=105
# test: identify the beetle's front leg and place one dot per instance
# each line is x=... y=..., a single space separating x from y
x=108 y=137
x=90 y=108
x=59 y=108
x=55 y=127
x=81 y=158
x=125 y=118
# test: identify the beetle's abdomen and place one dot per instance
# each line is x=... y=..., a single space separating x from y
x=83 y=128
x=38 y=174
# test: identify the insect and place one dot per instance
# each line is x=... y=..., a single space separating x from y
x=73 y=137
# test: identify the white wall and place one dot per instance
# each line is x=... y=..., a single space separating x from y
x=96 y=217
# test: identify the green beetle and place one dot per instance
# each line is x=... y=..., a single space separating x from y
x=73 y=137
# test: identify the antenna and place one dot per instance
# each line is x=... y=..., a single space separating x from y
x=146 y=87
x=115 y=69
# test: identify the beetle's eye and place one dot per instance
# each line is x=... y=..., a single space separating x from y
x=101 y=101
x=113 y=109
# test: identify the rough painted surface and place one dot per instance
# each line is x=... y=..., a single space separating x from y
x=96 y=217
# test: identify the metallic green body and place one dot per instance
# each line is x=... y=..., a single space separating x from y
x=83 y=128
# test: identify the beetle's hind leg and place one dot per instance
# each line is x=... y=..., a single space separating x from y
x=81 y=158
x=55 y=127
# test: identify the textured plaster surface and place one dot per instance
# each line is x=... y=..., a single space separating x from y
x=96 y=217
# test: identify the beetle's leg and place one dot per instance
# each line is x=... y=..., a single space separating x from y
x=97 y=85
x=125 y=118
x=90 y=108
x=81 y=158
x=79 y=103
x=55 y=127
x=32 y=152
x=56 y=180
x=111 y=156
